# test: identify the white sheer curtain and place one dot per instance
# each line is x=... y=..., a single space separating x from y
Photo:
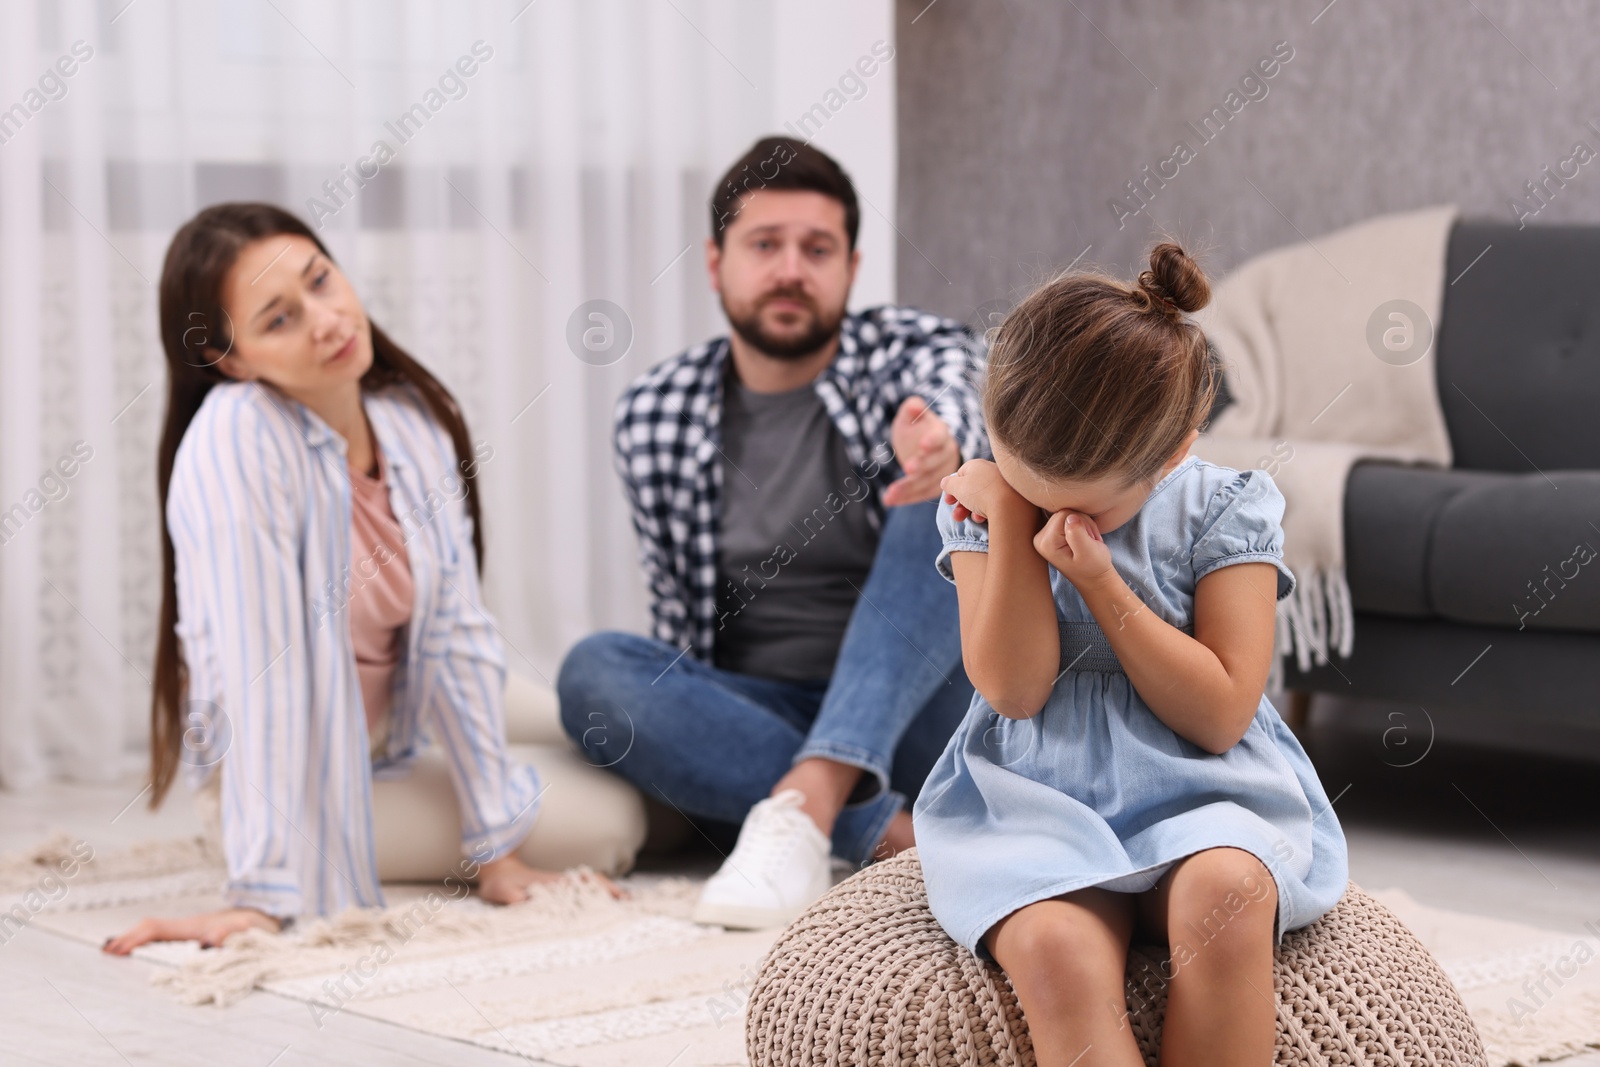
x=572 y=165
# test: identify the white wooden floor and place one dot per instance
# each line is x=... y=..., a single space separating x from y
x=1473 y=827
x=65 y=1003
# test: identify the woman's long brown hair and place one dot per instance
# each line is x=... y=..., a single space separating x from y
x=195 y=332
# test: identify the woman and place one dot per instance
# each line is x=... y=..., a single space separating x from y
x=321 y=610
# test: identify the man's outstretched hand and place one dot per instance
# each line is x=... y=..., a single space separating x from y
x=926 y=450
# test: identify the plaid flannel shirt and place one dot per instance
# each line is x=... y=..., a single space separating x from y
x=668 y=441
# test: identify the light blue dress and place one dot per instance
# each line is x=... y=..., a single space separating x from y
x=1095 y=790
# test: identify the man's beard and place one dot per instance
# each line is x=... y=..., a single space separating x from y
x=792 y=346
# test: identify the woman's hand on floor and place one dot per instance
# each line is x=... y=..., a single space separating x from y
x=506 y=880
x=210 y=928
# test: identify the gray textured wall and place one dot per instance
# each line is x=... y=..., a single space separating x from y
x=1020 y=120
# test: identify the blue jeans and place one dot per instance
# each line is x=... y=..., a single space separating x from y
x=712 y=743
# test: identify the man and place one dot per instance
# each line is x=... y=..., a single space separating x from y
x=805 y=669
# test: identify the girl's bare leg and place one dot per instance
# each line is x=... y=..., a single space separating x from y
x=1216 y=910
x=1066 y=958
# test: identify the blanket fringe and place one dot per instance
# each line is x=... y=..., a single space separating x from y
x=1315 y=618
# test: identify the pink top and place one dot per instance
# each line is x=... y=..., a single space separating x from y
x=381 y=591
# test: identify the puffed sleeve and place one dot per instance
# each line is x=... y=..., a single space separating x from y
x=963 y=536
x=1244 y=524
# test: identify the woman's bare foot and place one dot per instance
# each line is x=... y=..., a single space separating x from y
x=506 y=880
x=210 y=928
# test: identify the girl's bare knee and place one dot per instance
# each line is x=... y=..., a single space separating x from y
x=1058 y=950
x=1219 y=874
x=1222 y=908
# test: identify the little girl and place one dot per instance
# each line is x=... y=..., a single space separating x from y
x=1120 y=771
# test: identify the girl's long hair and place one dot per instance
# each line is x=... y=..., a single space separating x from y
x=195 y=331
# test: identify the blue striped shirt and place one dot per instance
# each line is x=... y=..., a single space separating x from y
x=259 y=511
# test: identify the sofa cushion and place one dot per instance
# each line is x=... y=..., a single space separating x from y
x=1518 y=359
x=1493 y=549
x=1520 y=551
x=1389 y=512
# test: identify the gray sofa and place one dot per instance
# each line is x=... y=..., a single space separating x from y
x=1479 y=586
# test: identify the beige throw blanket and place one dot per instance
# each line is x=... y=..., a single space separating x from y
x=1323 y=349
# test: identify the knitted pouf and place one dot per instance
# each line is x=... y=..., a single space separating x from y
x=867 y=976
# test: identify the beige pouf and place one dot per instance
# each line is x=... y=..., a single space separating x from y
x=867 y=976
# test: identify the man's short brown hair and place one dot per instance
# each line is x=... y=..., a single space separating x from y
x=782 y=163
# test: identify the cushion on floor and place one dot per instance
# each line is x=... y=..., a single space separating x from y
x=533 y=714
x=867 y=976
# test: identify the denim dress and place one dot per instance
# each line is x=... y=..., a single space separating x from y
x=1095 y=790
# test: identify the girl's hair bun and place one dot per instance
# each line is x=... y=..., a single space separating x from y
x=1134 y=363
x=1174 y=283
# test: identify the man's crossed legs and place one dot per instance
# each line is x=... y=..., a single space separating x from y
x=832 y=760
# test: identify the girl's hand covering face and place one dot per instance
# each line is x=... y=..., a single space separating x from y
x=1071 y=543
x=978 y=490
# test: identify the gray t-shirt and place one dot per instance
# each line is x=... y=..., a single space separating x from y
x=795 y=540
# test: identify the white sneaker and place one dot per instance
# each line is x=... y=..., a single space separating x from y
x=778 y=867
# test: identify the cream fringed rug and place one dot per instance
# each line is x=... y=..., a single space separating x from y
x=571 y=977
x=576 y=978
